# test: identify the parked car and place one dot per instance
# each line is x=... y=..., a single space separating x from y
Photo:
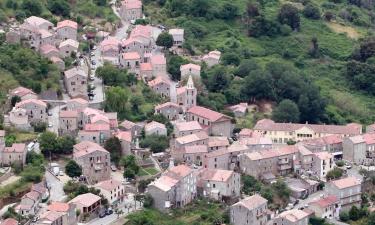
x=61 y=173
x=50 y=125
x=92 y=54
x=113 y=168
x=93 y=62
x=102 y=213
x=109 y=211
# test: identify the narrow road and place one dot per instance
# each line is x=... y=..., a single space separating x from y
x=56 y=187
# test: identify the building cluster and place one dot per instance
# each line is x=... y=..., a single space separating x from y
x=53 y=42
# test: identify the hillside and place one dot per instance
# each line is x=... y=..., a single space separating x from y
x=251 y=34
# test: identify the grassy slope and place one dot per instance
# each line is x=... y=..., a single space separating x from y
x=345 y=102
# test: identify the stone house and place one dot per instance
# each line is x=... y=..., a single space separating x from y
x=359 y=149
x=14 y=154
x=199 y=138
x=131 y=10
x=110 y=50
x=97 y=133
x=190 y=154
x=67 y=47
x=292 y=217
x=217 y=143
x=159 y=65
x=161 y=86
x=218 y=124
x=66 y=29
x=239 y=110
x=29 y=204
x=58 y=62
x=169 y=109
x=190 y=69
x=220 y=159
x=348 y=190
x=256 y=143
x=212 y=58
x=323 y=163
x=88 y=204
x=49 y=51
x=68 y=211
x=326 y=207
x=145 y=71
x=77 y=104
x=36 y=110
x=68 y=122
x=23 y=93
x=39 y=23
x=112 y=190
x=176 y=188
x=221 y=185
x=18 y=118
x=186 y=128
x=134 y=128
x=131 y=61
x=251 y=210
x=282 y=133
x=94 y=160
x=125 y=138
x=178 y=36
x=46 y=38
x=330 y=143
x=155 y=128
x=75 y=80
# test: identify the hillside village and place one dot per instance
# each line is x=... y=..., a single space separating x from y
x=90 y=164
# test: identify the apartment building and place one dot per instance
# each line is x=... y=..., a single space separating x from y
x=360 y=149
x=112 y=190
x=249 y=211
x=348 y=190
x=327 y=207
x=323 y=163
x=186 y=128
x=292 y=217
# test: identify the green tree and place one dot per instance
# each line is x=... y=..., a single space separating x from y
x=14 y=100
x=312 y=12
x=165 y=40
x=289 y=15
x=250 y=184
x=245 y=67
x=59 y=7
x=72 y=169
x=113 y=145
x=173 y=66
x=10 y=139
x=217 y=79
x=371 y=219
x=64 y=144
x=257 y=86
x=228 y=11
x=344 y=216
x=32 y=7
x=116 y=100
x=130 y=165
x=354 y=213
x=156 y=143
x=334 y=174
x=47 y=142
x=113 y=76
x=287 y=111
x=136 y=101
x=231 y=59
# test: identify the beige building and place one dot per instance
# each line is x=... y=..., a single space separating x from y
x=14 y=154
x=281 y=133
x=323 y=163
x=212 y=58
x=68 y=47
x=348 y=190
x=66 y=29
x=88 y=204
x=292 y=217
x=36 y=110
x=75 y=80
x=19 y=119
x=68 y=122
x=112 y=190
x=174 y=189
x=251 y=210
x=221 y=185
x=94 y=160
x=178 y=36
x=217 y=143
x=169 y=109
x=218 y=124
x=186 y=128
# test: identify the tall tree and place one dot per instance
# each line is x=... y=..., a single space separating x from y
x=287 y=111
x=47 y=142
x=289 y=15
x=113 y=145
x=165 y=40
x=72 y=169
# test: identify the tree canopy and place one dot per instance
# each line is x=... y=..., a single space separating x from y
x=72 y=169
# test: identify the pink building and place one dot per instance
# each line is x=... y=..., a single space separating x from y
x=131 y=10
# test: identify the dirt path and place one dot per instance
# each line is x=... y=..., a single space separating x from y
x=338 y=28
x=10 y=180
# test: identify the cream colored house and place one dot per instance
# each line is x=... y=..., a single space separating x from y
x=112 y=190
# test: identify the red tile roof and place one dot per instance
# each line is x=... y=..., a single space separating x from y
x=16 y=147
x=125 y=136
x=9 y=221
x=67 y=23
x=108 y=185
x=252 y=202
x=86 y=200
x=207 y=113
x=326 y=201
x=346 y=182
x=58 y=207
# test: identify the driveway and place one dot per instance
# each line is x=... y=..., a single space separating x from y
x=56 y=187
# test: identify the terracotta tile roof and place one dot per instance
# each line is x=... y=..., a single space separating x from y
x=67 y=23
x=264 y=154
x=158 y=80
x=179 y=172
x=2 y=133
x=217 y=141
x=153 y=125
x=293 y=215
x=108 y=185
x=188 y=126
x=326 y=201
x=74 y=71
x=270 y=125
x=31 y=101
x=215 y=175
x=51 y=216
x=192 y=138
x=322 y=141
x=141 y=31
x=99 y=118
x=58 y=207
x=255 y=141
x=96 y=127
x=87 y=147
x=207 y=113
x=127 y=124
x=217 y=153
x=164 y=183
x=252 y=202
x=195 y=149
x=37 y=21
x=167 y=105
x=69 y=42
x=181 y=90
x=131 y=56
x=145 y=67
x=47 y=48
x=33 y=195
x=124 y=136
x=241 y=107
x=110 y=41
x=323 y=155
x=158 y=60
x=237 y=147
x=16 y=148
x=132 y=4
x=9 y=221
x=346 y=182
x=190 y=66
x=21 y=91
x=68 y=114
x=79 y=100
x=86 y=200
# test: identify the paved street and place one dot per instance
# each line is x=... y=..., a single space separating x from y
x=54 y=118
x=311 y=198
x=56 y=187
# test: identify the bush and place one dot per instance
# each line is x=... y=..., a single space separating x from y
x=312 y=12
x=335 y=173
x=156 y=143
x=344 y=216
x=72 y=169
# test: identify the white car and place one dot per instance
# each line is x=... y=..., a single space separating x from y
x=50 y=125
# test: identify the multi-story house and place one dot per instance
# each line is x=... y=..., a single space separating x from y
x=112 y=190
x=217 y=124
x=67 y=47
x=187 y=95
x=159 y=65
x=330 y=143
x=186 y=128
x=77 y=104
x=23 y=93
x=240 y=109
x=174 y=189
x=68 y=122
x=221 y=185
x=88 y=204
x=217 y=143
x=282 y=133
x=178 y=36
x=49 y=51
x=190 y=69
x=39 y=23
x=66 y=29
x=51 y=218
x=256 y=143
x=36 y=110
x=29 y=203
x=360 y=149
x=348 y=190
x=131 y=61
x=110 y=50
x=14 y=154
x=155 y=128
x=291 y=217
x=323 y=163
x=200 y=138
x=251 y=210
x=190 y=154
x=94 y=160
x=97 y=133
x=125 y=138
x=68 y=211
x=161 y=86
x=212 y=58
x=169 y=109
x=220 y=159
x=75 y=80
x=145 y=71
x=18 y=118
x=134 y=128
x=131 y=10
x=326 y=207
